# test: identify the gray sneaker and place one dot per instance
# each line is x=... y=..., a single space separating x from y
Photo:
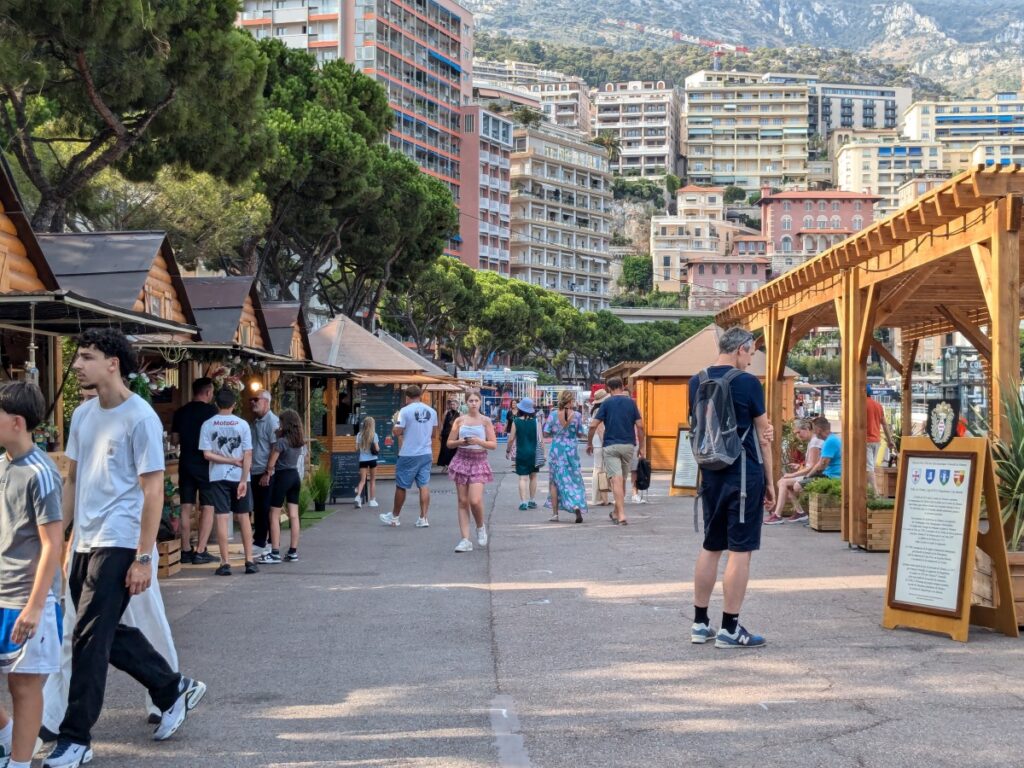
x=67 y=754
x=702 y=633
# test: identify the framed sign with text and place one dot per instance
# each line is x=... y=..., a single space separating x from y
x=684 y=470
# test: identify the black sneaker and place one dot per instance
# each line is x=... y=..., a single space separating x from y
x=223 y=570
x=251 y=567
x=188 y=558
x=46 y=735
x=202 y=558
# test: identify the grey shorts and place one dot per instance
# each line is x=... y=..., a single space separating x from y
x=873 y=455
x=410 y=469
x=618 y=459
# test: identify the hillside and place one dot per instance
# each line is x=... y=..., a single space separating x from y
x=598 y=65
x=971 y=48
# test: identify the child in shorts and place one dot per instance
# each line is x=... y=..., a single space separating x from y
x=31 y=536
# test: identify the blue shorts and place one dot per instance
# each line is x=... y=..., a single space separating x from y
x=720 y=497
x=411 y=469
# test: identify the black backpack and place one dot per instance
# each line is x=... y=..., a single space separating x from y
x=643 y=475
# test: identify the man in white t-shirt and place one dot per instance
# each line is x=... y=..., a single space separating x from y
x=415 y=429
x=115 y=494
x=226 y=442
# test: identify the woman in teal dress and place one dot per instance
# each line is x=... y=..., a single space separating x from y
x=523 y=438
x=565 y=426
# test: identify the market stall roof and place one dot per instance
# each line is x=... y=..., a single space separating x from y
x=130 y=270
x=624 y=369
x=695 y=354
x=343 y=343
x=286 y=324
x=228 y=311
x=428 y=367
x=13 y=207
x=64 y=313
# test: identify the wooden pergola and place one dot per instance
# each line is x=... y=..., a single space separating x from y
x=950 y=261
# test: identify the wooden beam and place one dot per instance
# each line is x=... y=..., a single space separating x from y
x=908 y=354
x=982 y=255
x=970 y=331
x=1004 y=268
x=866 y=331
x=886 y=355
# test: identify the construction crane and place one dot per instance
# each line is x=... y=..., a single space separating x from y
x=717 y=47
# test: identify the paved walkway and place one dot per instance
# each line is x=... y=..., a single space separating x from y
x=562 y=646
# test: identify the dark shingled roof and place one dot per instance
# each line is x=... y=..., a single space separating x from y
x=111 y=266
x=217 y=303
x=280 y=316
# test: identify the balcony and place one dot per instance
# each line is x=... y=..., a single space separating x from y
x=290 y=15
x=294 y=41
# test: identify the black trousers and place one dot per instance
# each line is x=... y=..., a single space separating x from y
x=99 y=592
x=260 y=510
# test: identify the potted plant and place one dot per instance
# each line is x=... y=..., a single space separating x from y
x=880 y=512
x=824 y=504
x=320 y=487
x=1008 y=454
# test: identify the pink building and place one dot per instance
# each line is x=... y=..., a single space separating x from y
x=799 y=225
x=484 y=221
x=717 y=281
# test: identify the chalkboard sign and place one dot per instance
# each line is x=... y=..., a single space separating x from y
x=684 y=473
x=344 y=475
x=381 y=401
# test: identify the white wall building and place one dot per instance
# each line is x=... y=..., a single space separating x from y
x=882 y=167
x=644 y=115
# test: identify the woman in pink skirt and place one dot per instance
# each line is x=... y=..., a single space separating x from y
x=472 y=436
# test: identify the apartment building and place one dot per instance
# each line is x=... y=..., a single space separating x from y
x=698 y=251
x=502 y=96
x=883 y=166
x=487 y=146
x=420 y=51
x=518 y=73
x=959 y=126
x=742 y=131
x=1008 y=151
x=561 y=214
x=799 y=225
x=566 y=103
x=850 y=106
x=910 y=190
x=644 y=116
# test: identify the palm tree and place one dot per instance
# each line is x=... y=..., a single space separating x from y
x=610 y=141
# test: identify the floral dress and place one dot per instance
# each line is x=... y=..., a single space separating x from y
x=564 y=462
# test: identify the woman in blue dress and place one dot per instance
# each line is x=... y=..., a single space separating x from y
x=565 y=426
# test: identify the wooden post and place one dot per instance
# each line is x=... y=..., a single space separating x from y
x=776 y=347
x=856 y=329
x=908 y=354
x=1004 y=308
x=331 y=401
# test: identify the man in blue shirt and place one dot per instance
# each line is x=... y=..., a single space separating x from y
x=623 y=427
x=830 y=464
x=724 y=527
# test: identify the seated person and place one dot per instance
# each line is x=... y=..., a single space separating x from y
x=829 y=464
x=789 y=483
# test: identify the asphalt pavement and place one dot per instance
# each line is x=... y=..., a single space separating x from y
x=561 y=646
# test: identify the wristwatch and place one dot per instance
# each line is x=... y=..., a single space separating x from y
x=143 y=559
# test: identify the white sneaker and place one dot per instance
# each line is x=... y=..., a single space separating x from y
x=358 y=502
x=387 y=518
x=481 y=536
x=373 y=503
x=190 y=693
x=464 y=546
x=635 y=498
x=258 y=552
x=67 y=754
x=422 y=522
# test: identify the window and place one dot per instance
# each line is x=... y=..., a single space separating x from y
x=753 y=271
x=835 y=206
x=787 y=244
x=808 y=206
x=728 y=269
x=787 y=223
x=808 y=244
x=666 y=261
x=700 y=269
x=822 y=222
x=822 y=206
x=858 y=205
x=714 y=269
x=742 y=269
x=858 y=223
x=808 y=222
x=786 y=205
x=837 y=223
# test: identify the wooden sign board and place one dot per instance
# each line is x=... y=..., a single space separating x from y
x=684 y=470
x=936 y=528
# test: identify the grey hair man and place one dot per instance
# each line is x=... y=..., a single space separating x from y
x=264 y=434
x=730 y=524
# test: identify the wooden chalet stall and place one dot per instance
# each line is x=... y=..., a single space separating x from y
x=949 y=261
x=663 y=391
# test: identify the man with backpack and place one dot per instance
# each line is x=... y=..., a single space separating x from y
x=731 y=440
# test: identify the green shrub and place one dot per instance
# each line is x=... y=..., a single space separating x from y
x=305 y=500
x=881 y=502
x=320 y=484
x=825 y=486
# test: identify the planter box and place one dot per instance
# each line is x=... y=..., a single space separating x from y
x=885 y=479
x=824 y=512
x=879 y=530
x=170 y=558
x=1017 y=583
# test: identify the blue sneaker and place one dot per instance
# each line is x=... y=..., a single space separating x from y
x=533 y=504
x=524 y=506
x=742 y=639
x=701 y=633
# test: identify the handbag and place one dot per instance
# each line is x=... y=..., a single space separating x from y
x=540 y=461
x=603 y=486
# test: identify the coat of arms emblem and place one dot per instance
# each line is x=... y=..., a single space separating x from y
x=942 y=424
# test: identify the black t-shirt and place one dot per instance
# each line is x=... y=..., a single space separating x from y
x=187 y=422
x=747 y=401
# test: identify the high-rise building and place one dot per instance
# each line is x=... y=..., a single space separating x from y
x=742 y=131
x=420 y=51
x=487 y=146
x=566 y=103
x=959 y=125
x=847 y=105
x=644 y=116
x=882 y=167
x=799 y=225
x=519 y=73
x=697 y=251
x=1008 y=151
x=561 y=212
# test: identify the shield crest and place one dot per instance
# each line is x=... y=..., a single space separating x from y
x=929 y=476
x=916 y=476
x=958 y=478
x=942 y=420
x=944 y=476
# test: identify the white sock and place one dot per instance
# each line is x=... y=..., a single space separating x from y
x=16 y=764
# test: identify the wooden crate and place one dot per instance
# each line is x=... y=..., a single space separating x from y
x=879 y=530
x=983 y=590
x=885 y=479
x=1017 y=583
x=824 y=512
x=170 y=558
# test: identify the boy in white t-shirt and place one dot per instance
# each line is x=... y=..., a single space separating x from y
x=226 y=442
x=415 y=428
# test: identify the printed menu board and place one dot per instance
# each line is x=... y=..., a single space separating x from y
x=684 y=473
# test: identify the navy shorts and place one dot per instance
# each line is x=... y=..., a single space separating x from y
x=225 y=501
x=720 y=497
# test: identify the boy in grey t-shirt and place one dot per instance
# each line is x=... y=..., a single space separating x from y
x=31 y=534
